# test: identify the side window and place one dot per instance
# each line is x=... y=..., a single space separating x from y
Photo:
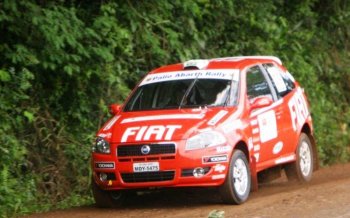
x=257 y=85
x=281 y=82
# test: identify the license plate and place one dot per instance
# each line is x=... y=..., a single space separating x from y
x=146 y=167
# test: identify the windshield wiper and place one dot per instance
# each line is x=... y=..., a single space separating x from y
x=188 y=92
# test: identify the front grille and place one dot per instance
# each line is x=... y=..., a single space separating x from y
x=148 y=176
x=143 y=159
x=135 y=150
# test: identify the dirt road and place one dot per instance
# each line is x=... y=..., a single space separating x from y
x=327 y=195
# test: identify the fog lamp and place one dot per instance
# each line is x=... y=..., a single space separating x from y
x=198 y=172
x=103 y=177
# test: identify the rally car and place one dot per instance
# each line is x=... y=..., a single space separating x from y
x=223 y=122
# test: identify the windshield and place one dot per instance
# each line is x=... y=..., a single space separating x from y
x=183 y=93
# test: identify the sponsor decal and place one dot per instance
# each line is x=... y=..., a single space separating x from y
x=111 y=123
x=298 y=109
x=267 y=126
x=219 y=168
x=104 y=165
x=250 y=143
x=223 y=149
x=257 y=156
x=215 y=159
x=277 y=148
x=158 y=132
x=256 y=140
x=164 y=117
x=219 y=176
x=257 y=147
x=217 y=117
x=255 y=130
x=225 y=74
x=285 y=159
x=254 y=122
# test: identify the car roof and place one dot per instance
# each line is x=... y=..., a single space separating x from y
x=237 y=62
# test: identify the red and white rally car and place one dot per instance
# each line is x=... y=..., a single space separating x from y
x=217 y=123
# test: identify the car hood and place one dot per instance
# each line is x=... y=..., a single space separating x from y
x=161 y=125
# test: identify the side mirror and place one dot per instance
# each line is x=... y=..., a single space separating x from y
x=261 y=102
x=114 y=109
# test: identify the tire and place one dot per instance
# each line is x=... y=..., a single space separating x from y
x=107 y=199
x=236 y=187
x=301 y=170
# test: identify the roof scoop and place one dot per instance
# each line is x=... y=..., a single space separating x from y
x=199 y=64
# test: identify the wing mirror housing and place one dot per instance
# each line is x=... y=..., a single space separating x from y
x=114 y=109
x=261 y=102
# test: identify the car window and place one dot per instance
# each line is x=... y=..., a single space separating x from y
x=209 y=92
x=181 y=93
x=257 y=85
x=281 y=82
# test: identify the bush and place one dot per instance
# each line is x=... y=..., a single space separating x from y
x=62 y=63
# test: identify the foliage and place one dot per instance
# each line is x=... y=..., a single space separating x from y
x=63 y=62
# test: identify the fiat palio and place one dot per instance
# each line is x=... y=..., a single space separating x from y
x=223 y=122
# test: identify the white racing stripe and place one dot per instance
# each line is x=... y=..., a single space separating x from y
x=217 y=117
x=111 y=123
x=232 y=123
x=264 y=109
x=285 y=159
x=164 y=117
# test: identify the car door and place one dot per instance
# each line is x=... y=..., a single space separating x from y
x=265 y=122
x=285 y=90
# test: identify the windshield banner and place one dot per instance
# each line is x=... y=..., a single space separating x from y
x=191 y=74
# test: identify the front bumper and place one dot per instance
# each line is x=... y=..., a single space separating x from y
x=175 y=168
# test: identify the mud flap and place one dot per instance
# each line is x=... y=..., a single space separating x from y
x=254 y=174
x=315 y=153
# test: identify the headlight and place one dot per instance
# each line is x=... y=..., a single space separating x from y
x=101 y=146
x=204 y=140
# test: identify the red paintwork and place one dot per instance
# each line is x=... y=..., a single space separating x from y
x=242 y=119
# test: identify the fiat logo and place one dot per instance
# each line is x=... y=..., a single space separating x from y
x=145 y=149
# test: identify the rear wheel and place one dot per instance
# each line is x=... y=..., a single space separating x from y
x=107 y=198
x=302 y=168
x=236 y=188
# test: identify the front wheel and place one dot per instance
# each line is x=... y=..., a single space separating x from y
x=236 y=188
x=302 y=168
